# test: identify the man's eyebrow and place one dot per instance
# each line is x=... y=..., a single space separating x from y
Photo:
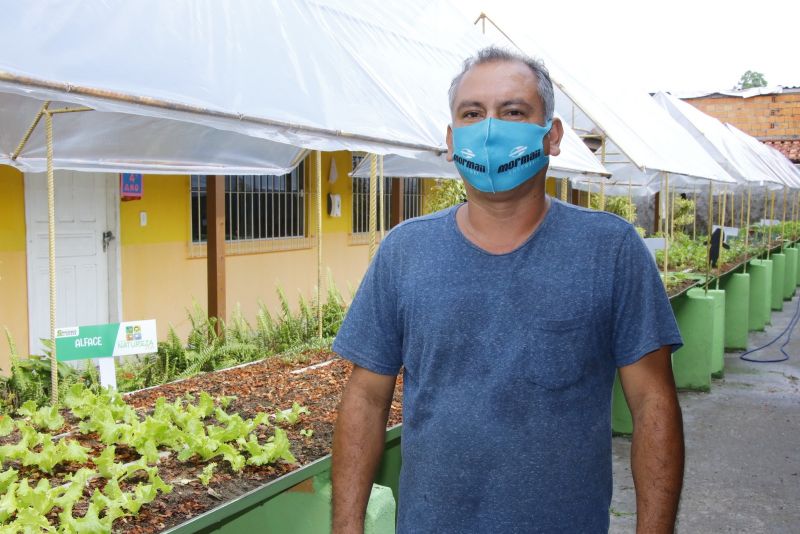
x=469 y=104
x=516 y=102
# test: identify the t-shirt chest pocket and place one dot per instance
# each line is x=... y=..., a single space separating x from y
x=561 y=350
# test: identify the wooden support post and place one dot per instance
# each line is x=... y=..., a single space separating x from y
x=215 y=204
x=397 y=202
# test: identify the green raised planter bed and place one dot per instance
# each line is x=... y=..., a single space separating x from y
x=778 y=277
x=299 y=502
x=790 y=275
x=737 y=311
x=760 y=294
x=717 y=333
x=797 y=248
x=691 y=364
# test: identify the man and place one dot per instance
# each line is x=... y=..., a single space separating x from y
x=510 y=315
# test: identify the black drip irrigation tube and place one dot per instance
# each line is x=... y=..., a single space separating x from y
x=789 y=329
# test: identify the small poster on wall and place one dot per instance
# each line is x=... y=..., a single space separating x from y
x=131 y=186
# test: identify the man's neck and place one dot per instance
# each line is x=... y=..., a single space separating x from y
x=501 y=223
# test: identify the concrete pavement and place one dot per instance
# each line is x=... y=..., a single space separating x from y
x=742 y=446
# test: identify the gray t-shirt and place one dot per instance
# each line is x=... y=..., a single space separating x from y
x=509 y=363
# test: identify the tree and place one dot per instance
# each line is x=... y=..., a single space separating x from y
x=750 y=79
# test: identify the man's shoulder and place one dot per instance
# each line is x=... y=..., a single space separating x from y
x=412 y=230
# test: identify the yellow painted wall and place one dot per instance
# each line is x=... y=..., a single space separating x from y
x=160 y=279
x=13 y=273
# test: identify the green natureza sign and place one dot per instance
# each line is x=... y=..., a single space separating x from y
x=106 y=340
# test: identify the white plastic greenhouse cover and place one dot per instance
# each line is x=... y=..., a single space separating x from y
x=574 y=160
x=727 y=149
x=776 y=161
x=202 y=74
x=642 y=140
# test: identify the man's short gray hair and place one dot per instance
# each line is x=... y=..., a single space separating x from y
x=494 y=53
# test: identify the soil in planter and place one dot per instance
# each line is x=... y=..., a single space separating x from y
x=315 y=381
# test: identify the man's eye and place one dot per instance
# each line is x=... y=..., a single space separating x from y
x=471 y=115
x=514 y=113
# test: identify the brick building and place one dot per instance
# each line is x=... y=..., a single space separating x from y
x=770 y=114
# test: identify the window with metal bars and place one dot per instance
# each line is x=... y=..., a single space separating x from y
x=361 y=205
x=412 y=197
x=256 y=207
x=412 y=200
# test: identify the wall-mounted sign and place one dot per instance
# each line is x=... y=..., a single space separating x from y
x=131 y=186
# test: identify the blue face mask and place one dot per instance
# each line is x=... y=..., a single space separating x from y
x=495 y=155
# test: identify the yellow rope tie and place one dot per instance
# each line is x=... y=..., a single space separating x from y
x=772 y=218
x=672 y=215
x=723 y=200
x=589 y=194
x=741 y=211
x=318 y=196
x=710 y=226
x=51 y=235
x=373 y=200
x=666 y=225
x=602 y=203
x=631 y=218
x=382 y=195
x=29 y=131
x=783 y=223
x=747 y=229
x=766 y=213
x=564 y=184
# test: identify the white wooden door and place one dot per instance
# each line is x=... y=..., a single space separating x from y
x=82 y=264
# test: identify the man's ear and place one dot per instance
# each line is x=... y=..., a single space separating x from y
x=552 y=141
x=449 y=143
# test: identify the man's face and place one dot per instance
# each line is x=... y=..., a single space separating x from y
x=506 y=90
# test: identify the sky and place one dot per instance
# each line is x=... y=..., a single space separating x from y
x=678 y=46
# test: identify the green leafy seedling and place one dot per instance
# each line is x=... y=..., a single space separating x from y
x=292 y=415
x=208 y=472
x=7 y=425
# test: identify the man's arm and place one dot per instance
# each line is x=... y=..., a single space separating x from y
x=358 y=445
x=657 y=453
